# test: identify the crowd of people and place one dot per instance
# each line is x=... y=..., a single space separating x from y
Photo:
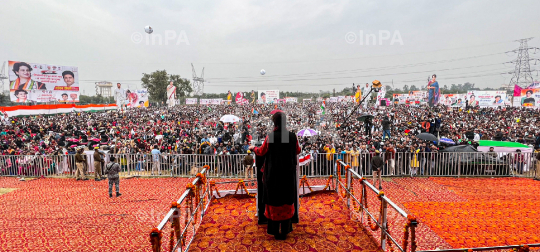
x=197 y=129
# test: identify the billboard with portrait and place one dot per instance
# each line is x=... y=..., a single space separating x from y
x=412 y=97
x=530 y=97
x=452 y=100
x=138 y=98
x=42 y=82
x=268 y=96
x=487 y=98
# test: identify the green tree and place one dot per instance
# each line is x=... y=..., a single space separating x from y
x=157 y=83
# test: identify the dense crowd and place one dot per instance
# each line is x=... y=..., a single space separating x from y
x=197 y=129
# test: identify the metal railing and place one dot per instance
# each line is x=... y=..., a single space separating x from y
x=381 y=221
x=321 y=165
x=498 y=248
x=195 y=202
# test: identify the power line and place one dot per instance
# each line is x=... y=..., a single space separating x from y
x=351 y=77
x=368 y=69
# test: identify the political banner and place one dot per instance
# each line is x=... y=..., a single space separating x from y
x=400 y=98
x=205 y=101
x=240 y=100
x=191 y=101
x=137 y=98
x=453 y=100
x=413 y=97
x=291 y=99
x=42 y=82
x=487 y=98
x=216 y=101
x=333 y=99
x=529 y=97
x=268 y=96
x=381 y=94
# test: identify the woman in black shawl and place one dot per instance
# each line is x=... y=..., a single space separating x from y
x=280 y=180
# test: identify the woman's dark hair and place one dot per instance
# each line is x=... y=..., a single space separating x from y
x=280 y=120
x=528 y=91
x=19 y=91
x=18 y=65
x=434 y=75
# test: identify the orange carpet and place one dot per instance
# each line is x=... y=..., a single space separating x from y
x=465 y=212
x=69 y=215
x=497 y=211
x=230 y=225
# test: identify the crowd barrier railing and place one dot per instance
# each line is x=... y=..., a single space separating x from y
x=476 y=164
x=380 y=219
x=516 y=248
x=194 y=202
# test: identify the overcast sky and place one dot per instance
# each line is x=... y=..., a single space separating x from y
x=306 y=45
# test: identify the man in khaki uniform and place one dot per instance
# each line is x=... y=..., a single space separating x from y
x=248 y=164
x=97 y=164
x=79 y=162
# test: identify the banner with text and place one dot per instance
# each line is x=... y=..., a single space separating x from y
x=191 y=101
x=487 y=98
x=138 y=98
x=291 y=99
x=453 y=100
x=42 y=82
x=268 y=96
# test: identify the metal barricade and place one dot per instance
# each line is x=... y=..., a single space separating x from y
x=185 y=216
x=381 y=221
x=432 y=164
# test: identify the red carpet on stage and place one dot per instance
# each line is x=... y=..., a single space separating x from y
x=230 y=225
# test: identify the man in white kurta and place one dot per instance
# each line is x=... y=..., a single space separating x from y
x=365 y=92
x=119 y=96
x=171 y=94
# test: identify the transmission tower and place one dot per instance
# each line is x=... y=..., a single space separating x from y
x=522 y=72
x=198 y=82
x=3 y=77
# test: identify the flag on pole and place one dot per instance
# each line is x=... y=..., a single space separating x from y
x=323 y=107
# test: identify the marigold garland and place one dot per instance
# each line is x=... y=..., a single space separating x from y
x=175 y=223
x=189 y=207
x=213 y=187
x=200 y=186
x=327 y=186
x=155 y=239
x=410 y=227
x=242 y=185
x=304 y=181
x=522 y=248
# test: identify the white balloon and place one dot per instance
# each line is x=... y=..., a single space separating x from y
x=263 y=72
x=148 y=29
